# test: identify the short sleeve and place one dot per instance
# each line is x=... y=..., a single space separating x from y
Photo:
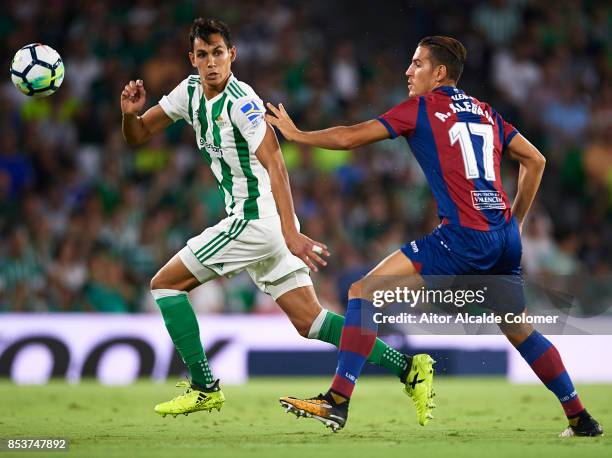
x=176 y=104
x=401 y=119
x=508 y=130
x=248 y=116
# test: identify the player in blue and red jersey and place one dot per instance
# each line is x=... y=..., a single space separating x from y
x=458 y=141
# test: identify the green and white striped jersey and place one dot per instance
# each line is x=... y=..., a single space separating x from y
x=229 y=128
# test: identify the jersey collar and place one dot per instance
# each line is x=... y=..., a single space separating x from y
x=229 y=80
x=449 y=90
x=220 y=94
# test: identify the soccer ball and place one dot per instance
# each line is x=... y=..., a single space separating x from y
x=37 y=70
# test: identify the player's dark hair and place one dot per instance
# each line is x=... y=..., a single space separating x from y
x=204 y=28
x=448 y=52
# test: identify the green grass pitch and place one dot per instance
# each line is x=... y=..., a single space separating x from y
x=475 y=417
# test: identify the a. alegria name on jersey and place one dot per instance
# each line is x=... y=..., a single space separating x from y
x=469 y=107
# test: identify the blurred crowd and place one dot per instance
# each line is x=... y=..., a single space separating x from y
x=85 y=220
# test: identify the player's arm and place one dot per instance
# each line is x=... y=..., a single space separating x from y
x=139 y=129
x=531 y=169
x=270 y=156
x=340 y=137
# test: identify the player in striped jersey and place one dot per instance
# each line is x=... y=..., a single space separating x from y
x=458 y=142
x=260 y=234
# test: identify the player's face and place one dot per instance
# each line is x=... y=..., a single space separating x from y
x=213 y=60
x=422 y=75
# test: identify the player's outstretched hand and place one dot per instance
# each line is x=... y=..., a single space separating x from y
x=133 y=97
x=282 y=121
x=307 y=250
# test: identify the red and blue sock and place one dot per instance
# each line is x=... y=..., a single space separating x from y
x=358 y=338
x=546 y=362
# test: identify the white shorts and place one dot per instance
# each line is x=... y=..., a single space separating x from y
x=258 y=246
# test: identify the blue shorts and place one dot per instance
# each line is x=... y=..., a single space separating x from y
x=493 y=256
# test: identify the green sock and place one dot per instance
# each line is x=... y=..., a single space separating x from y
x=183 y=328
x=381 y=355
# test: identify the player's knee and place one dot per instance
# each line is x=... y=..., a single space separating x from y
x=154 y=283
x=302 y=327
x=158 y=282
x=517 y=333
x=309 y=322
x=303 y=324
